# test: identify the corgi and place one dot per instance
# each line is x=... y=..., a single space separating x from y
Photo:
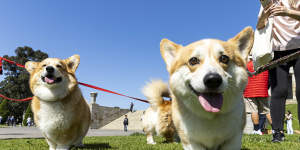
x=207 y=79
x=157 y=119
x=59 y=109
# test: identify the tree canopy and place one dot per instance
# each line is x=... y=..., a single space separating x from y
x=16 y=80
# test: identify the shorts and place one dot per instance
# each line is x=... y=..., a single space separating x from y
x=257 y=104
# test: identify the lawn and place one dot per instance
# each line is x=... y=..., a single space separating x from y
x=138 y=142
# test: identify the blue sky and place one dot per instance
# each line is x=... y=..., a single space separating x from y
x=118 y=40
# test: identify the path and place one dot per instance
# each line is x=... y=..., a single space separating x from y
x=33 y=132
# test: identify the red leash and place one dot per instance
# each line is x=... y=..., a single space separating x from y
x=19 y=100
x=108 y=91
x=84 y=84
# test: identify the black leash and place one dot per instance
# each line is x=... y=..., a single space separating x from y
x=275 y=63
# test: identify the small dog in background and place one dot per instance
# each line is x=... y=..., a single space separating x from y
x=157 y=119
x=60 y=111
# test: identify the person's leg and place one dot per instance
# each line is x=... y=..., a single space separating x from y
x=252 y=108
x=279 y=91
x=255 y=120
x=296 y=68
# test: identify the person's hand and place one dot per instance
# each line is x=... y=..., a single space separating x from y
x=278 y=10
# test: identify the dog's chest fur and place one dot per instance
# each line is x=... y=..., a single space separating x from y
x=211 y=130
x=54 y=116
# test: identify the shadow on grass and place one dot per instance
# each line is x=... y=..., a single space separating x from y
x=96 y=146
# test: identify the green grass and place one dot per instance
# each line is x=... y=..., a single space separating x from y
x=138 y=142
x=135 y=142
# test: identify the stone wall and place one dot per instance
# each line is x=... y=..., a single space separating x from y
x=102 y=115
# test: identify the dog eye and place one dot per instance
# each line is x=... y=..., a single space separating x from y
x=44 y=65
x=194 y=61
x=58 y=66
x=224 y=59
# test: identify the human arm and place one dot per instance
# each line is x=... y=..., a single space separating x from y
x=262 y=19
x=280 y=10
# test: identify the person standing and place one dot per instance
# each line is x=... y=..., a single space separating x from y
x=286 y=40
x=125 y=123
x=29 y=121
x=131 y=107
x=12 y=121
x=289 y=122
x=256 y=97
x=0 y=119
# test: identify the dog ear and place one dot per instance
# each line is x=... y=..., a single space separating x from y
x=244 y=40
x=72 y=62
x=30 y=66
x=169 y=50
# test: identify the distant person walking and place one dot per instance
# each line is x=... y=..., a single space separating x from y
x=29 y=123
x=12 y=121
x=289 y=122
x=125 y=123
x=256 y=97
x=131 y=107
x=0 y=119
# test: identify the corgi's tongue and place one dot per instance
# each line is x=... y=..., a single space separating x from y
x=49 y=80
x=211 y=102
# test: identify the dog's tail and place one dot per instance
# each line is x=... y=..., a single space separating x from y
x=155 y=91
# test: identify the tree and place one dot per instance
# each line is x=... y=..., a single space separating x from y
x=28 y=113
x=4 y=112
x=16 y=81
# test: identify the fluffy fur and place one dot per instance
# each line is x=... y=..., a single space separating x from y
x=59 y=108
x=158 y=117
x=207 y=79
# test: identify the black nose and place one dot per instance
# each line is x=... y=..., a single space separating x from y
x=49 y=69
x=212 y=80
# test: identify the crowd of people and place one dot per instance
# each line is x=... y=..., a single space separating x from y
x=14 y=121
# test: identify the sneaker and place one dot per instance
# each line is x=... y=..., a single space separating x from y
x=257 y=132
x=278 y=137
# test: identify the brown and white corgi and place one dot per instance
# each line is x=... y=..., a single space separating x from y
x=60 y=111
x=157 y=119
x=207 y=79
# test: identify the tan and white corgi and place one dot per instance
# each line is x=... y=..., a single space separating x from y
x=157 y=119
x=207 y=79
x=60 y=111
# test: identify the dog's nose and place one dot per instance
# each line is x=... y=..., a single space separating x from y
x=49 y=69
x=212 y=80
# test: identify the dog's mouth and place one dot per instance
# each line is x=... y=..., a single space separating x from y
x=50 y=79
x=210 y=101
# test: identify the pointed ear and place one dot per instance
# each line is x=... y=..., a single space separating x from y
x=244 y=41
x=30 y=66
x=169 y=51
x=72 y=63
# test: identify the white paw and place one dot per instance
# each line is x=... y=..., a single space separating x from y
x=153 y=143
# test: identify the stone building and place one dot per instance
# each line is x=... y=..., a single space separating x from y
x=102 y=115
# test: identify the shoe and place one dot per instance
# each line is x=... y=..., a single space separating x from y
x=257 y=132
x=278 y=137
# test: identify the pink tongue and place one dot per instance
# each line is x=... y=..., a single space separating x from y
x=50 y=81
x=211 y=102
